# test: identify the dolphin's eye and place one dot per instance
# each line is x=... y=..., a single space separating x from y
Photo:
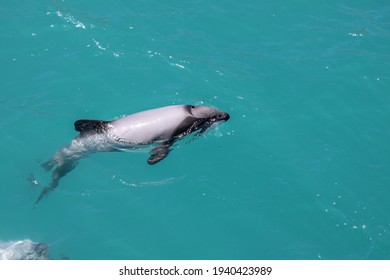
x=192 y=106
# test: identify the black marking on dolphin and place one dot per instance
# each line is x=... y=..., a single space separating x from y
x=160 y=127
x=90 y=125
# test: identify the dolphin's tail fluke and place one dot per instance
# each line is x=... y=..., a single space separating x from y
x=48 y=165
x=61 y=170
x=44 y=192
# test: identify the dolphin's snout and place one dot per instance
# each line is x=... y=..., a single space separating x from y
x=223 y=116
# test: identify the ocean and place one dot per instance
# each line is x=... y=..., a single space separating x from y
x=300 y=171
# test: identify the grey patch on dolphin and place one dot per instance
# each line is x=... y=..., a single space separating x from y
x=160 y=127
x=23 y=250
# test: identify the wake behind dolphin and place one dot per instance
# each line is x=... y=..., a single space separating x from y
x=161 y=126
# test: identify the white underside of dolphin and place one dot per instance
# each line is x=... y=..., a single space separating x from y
x=161 y=127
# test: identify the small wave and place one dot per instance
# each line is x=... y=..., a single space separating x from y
x=23 y=250
x=141 y=183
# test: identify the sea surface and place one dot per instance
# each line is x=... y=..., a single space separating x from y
x=300 y=171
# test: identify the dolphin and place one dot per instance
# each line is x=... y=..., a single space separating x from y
x=159 y=127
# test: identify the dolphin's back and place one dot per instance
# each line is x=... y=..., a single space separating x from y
x=149 y=126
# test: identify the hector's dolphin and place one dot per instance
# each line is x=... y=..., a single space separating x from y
x=161 y=127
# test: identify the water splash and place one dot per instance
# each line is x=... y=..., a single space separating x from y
x=71 y=19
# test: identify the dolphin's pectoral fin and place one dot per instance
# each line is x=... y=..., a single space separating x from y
x=160 y=152
x=202 y=130
x=57 y=174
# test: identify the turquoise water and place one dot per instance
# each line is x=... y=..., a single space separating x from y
x=300 y=171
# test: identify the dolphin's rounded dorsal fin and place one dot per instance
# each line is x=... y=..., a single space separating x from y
x=90 y=125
